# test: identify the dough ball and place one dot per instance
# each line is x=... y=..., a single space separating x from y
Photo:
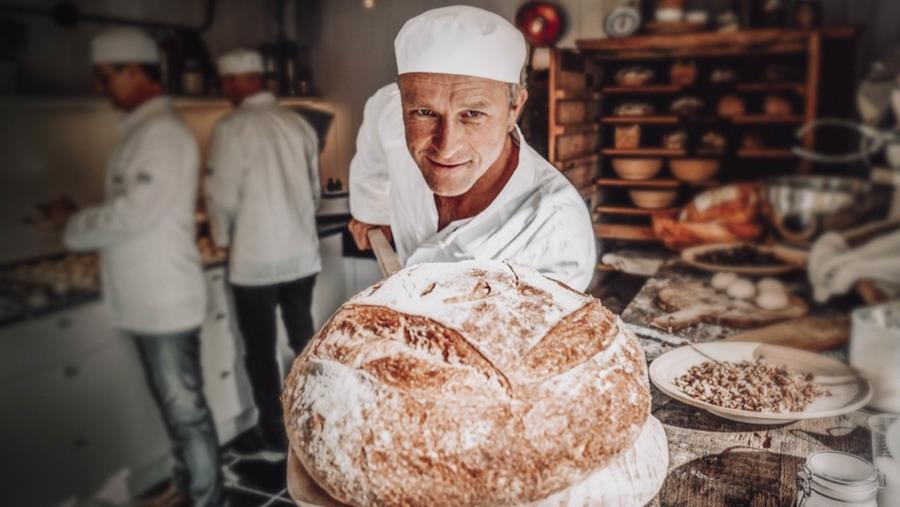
x=721 y=280
x=741 y=288
x=772 y=300
x=769 y=284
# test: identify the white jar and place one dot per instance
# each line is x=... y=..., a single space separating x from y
x=875 y=352
x=836 y=479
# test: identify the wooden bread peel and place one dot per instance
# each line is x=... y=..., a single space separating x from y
x=810 y=333
x=387 y=258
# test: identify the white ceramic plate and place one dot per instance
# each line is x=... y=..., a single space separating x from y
x=846 y=397
x=792 y=260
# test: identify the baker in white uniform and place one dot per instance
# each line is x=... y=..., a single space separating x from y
x=442 y=167
x=262 y=191
x=151 y=271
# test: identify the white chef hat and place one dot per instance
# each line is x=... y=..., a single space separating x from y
x=240 y=61
x=124 y=45
x=461 y=40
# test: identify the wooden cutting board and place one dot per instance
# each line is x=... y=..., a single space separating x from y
x=689 y=303
x=813 y=333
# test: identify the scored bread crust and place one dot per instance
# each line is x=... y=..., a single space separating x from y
x=471 y=383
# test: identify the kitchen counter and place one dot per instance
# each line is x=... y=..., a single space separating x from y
x=714 y=461
x=22 y=300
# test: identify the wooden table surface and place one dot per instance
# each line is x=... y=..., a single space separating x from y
x=717 y=462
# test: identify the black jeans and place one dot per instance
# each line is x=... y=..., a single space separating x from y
x=256 y=313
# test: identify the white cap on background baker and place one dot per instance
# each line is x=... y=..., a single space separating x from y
x=461 y=40
x=124 y=45
x=240 y=61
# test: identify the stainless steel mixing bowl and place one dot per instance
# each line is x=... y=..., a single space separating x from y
x=803 y=207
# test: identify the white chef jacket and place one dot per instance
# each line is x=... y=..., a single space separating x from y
x=262 y=191
x=150 y=267
x=537 y=220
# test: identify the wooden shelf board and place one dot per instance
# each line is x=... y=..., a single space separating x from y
x=566 y=164
x=659 y=183
x=655 y=183
x=798 y=88
x=741 y=40
x=679 y=53
x=631 y=211
x=766 y=153
x=577 y=95
x=577 y=128
x=657 y=88
x=625 y=232
x=656 y=120
x=766 y=119
x=648 y=152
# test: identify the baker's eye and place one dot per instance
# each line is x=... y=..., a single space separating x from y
x=473 y=114
x=425 y=113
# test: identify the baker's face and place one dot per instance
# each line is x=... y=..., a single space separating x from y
x=456 y=126
x=119 y=83
x=237 y=87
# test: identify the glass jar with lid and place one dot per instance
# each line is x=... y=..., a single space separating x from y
x=833 y=479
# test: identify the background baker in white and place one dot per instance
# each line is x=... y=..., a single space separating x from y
x=442 y=166
x=262 y=191
x=151 y=272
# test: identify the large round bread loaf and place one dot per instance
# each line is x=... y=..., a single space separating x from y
x=461 y=384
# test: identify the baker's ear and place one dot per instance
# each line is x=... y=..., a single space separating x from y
x=517 y=109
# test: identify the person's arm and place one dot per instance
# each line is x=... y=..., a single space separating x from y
x=312 y=161
x=562 y=247
x=310 y=144
x=369 y=178
x=146 y=198
x=222 y=187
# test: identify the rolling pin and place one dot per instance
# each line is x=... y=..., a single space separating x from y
x=807 y=333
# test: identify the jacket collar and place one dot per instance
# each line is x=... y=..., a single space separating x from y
x=260 y=98
x=144 y=111
x=522 y=180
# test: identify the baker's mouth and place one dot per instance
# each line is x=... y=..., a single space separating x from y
x=445 y=165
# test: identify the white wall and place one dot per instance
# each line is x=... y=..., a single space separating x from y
x=55 y=60
x=355 y=56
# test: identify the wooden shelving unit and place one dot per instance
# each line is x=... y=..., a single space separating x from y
x=582 y=93
x=630 y=211
x=765 y=153
x=624 y=232
x=652 y=183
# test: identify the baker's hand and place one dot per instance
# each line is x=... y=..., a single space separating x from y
x=58 y=211
x=359 y=230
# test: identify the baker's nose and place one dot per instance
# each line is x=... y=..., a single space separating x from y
x=447 y=138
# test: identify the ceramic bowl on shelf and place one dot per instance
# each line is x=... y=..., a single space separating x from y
x=694 y=170
x=637 y=168
x=652 y=198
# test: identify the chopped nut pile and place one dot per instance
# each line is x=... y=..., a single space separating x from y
x=757 y=386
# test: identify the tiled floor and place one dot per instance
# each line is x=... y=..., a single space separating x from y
x=249 y=482
x=255 y=483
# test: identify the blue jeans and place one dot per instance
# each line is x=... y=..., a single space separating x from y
x=172 y=367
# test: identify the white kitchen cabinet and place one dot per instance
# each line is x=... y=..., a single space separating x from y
x=330 y=291
x=77 y=407
x=69 y=427
x=54 y=339
x=221 y=358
